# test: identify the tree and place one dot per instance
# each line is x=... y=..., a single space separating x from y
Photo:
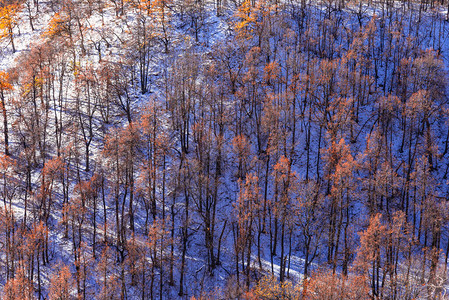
x=381 y=246
x=106 y=275
x=51 y=173
x=328 y=285
x=86 y=107
x=269 y=288
x=9 y=14
x=247 y=209
x=61 y=283
x=144 y=37
x=34 y=255
x=158 y=240
x=339 y=173
x=284 y=191
x=155 y=147
x=19 y=287
x=5 y=86
x=58 y=26
x=309 y=208
x=8 y=167
x=119 y=162
x=162 y=12
x=9 y=236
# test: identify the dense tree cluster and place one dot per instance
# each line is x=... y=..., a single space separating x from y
x=161 y=149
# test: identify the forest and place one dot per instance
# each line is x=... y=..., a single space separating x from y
x=224 y=149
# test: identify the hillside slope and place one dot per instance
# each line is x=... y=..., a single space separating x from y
x=163 y=149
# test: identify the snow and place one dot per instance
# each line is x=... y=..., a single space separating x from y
x=112 y=30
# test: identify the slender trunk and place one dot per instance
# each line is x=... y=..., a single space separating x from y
x=5 y=122
x=184 y=245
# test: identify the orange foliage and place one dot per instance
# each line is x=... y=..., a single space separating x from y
x=19 y=287
x=328 y=286
x=61 y=284
x=5 y=81
x=56 y=26
x=8 y=20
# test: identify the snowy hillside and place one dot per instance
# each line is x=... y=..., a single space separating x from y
x=213 y=149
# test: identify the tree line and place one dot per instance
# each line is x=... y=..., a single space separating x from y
x=145 y=151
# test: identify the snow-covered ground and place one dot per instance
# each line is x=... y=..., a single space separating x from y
x=109 y=37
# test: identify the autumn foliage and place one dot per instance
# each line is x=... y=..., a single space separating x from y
x=247 y=149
